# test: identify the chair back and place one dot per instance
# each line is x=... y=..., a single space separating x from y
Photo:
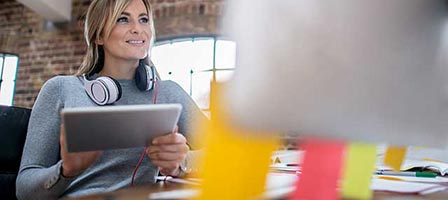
x=13 y=129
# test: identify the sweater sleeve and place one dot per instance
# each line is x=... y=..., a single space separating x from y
x=39 y=175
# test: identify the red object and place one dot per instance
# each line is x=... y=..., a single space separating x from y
x=321 y=170
x=156 y=92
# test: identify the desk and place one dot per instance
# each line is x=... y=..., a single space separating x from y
x=142 y=192
x=132 y=193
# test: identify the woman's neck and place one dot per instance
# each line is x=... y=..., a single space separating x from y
x=119 y=69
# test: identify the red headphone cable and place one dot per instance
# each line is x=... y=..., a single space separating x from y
x=146 y=147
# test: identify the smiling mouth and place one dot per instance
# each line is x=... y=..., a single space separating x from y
x=135 y=41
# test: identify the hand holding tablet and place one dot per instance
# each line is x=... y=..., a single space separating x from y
x=113 y=127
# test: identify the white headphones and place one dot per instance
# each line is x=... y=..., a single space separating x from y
x=105 y=90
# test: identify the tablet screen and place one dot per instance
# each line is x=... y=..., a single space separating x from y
x=114 y=127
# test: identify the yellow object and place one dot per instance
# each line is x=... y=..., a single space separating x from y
x=359 y=166
x=390 y=178
x=394 y=157
x=236 y=161
x=432 y=160
x=277 y=160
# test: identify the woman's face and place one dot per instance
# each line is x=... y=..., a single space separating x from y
x=130 y=37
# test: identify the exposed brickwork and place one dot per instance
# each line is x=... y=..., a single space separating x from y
x=46 y=51
x=186 y=17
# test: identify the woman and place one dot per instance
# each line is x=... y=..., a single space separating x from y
x=118 y=34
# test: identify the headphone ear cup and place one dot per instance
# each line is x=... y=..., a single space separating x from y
x=119 y=89
x=113 y=88
x=103 y=90
x=144 y=77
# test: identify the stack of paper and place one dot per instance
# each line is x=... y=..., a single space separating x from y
x=406 y=187
x=436 y=166
x=290 y=157
x=426 y=153
x=285 y=168
x=286 y=172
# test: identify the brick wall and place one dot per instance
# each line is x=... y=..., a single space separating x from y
x=46 y=50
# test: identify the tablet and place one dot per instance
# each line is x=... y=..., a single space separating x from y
x=115 y=127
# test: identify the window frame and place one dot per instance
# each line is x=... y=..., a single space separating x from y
x=213 y=69
x=4 y=55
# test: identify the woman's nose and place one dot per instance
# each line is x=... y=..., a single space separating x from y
x=136 y=28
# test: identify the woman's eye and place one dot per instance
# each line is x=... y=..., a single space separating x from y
x=122 y=20
x=144 y=20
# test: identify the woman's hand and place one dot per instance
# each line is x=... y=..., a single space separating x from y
x=167 y=152
x=75 y=163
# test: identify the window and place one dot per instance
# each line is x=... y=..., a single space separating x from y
x=8 y=74
x=195 y=62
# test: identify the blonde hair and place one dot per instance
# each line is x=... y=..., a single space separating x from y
x=100 y=19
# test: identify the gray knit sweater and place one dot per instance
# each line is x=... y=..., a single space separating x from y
x=39 y=175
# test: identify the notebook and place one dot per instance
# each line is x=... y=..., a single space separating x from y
x=425 y=164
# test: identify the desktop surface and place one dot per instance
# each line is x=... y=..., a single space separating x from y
x=143 y=192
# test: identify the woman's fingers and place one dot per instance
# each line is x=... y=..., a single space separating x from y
x=173 y=148
x=168 y=151
x=167 y=156
x=75 y=163
x=172 y=138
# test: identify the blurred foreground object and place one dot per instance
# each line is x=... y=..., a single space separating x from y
x=372 y=71
x=236 y=162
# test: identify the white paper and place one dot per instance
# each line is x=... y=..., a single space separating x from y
x=280 y=180
x=277 y=185
x=431 y=165
x=176 y=194
x=287 y=156
x=405 y=187
x=436 y=180
x=425 y=153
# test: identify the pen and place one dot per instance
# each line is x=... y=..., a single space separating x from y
x=413 y=174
